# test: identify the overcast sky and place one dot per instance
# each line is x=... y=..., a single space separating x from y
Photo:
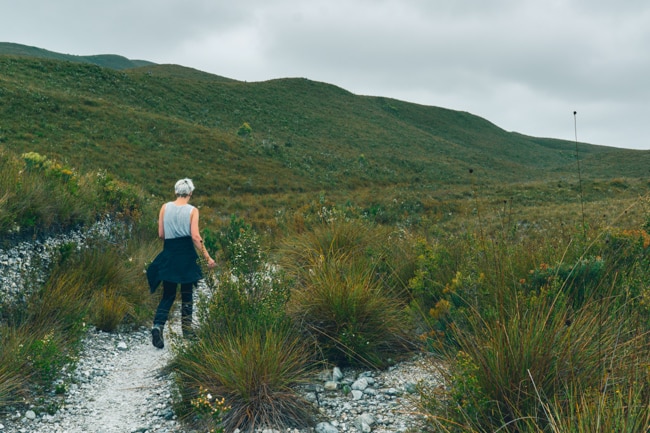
x=524 y=65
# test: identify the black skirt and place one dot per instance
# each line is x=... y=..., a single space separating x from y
x=176 y=263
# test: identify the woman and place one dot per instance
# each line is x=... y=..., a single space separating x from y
x=178 y=226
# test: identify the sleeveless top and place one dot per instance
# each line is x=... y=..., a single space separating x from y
x=178 y=261
x=176 y=220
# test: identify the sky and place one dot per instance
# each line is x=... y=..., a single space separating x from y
x=524 y=65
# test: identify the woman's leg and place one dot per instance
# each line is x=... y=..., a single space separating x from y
x=159 y=320
x=166 y=302
x=186 y=308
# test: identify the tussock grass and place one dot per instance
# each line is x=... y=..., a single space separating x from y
x=255 y=370
x=352 y=317
x=109 y=309
x=347 y=295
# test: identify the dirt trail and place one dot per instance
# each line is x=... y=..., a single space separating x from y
x=126 y=399
x=117 y=387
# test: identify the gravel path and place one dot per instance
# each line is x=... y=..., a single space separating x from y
x=116 y=388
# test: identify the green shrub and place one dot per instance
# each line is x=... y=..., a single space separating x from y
x=46 y=356
x=353 y=318
x=244 y=130
x=225 y=239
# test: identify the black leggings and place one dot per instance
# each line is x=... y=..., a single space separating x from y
x=168 y=297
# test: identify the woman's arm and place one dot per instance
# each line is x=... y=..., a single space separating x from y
x=196 y=237
x=161 y=223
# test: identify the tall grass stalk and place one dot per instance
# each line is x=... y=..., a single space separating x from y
x=13 y=377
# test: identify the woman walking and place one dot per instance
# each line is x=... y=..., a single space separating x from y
x=178 y=226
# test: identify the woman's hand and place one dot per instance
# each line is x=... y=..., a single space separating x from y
x=211 y=263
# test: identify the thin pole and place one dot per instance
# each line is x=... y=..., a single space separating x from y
x=582 y=204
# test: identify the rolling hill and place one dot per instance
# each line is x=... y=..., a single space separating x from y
x=151 y=124
x=112 y=61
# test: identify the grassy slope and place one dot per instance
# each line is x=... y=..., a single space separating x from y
x=153 y=124
x=106 y=60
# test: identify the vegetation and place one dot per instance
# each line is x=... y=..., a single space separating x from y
x=248 y=353
x=346 y=295
x=561 y=347
x=385 y=158
x=350 y=230
x=98 y=284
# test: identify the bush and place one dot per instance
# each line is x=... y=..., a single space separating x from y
x=348 y=292
x=354 y=319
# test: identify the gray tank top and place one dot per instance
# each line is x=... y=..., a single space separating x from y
x=176 y=220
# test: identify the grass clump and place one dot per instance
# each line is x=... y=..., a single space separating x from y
x=12 y=381
x=108 y=309
x=345 y=297
x=353 y=319
x=255 y=371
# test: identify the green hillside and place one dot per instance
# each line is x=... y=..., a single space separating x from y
x=106 y=60
x=153 y=124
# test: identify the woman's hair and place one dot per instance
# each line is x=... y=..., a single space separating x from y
x=184 y=187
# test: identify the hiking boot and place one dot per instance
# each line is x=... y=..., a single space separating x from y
x=157 y=337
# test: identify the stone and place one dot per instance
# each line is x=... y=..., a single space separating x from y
x=30 y=415
x=360 y=384
x=392 y=391
x=337 y=374
x=411 y=387
x=122 y=346
x=356 y=394
x=325 y=427
x=330 y=385
x=366 y=418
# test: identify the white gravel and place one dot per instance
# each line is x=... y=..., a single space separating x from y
x=116 y=388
